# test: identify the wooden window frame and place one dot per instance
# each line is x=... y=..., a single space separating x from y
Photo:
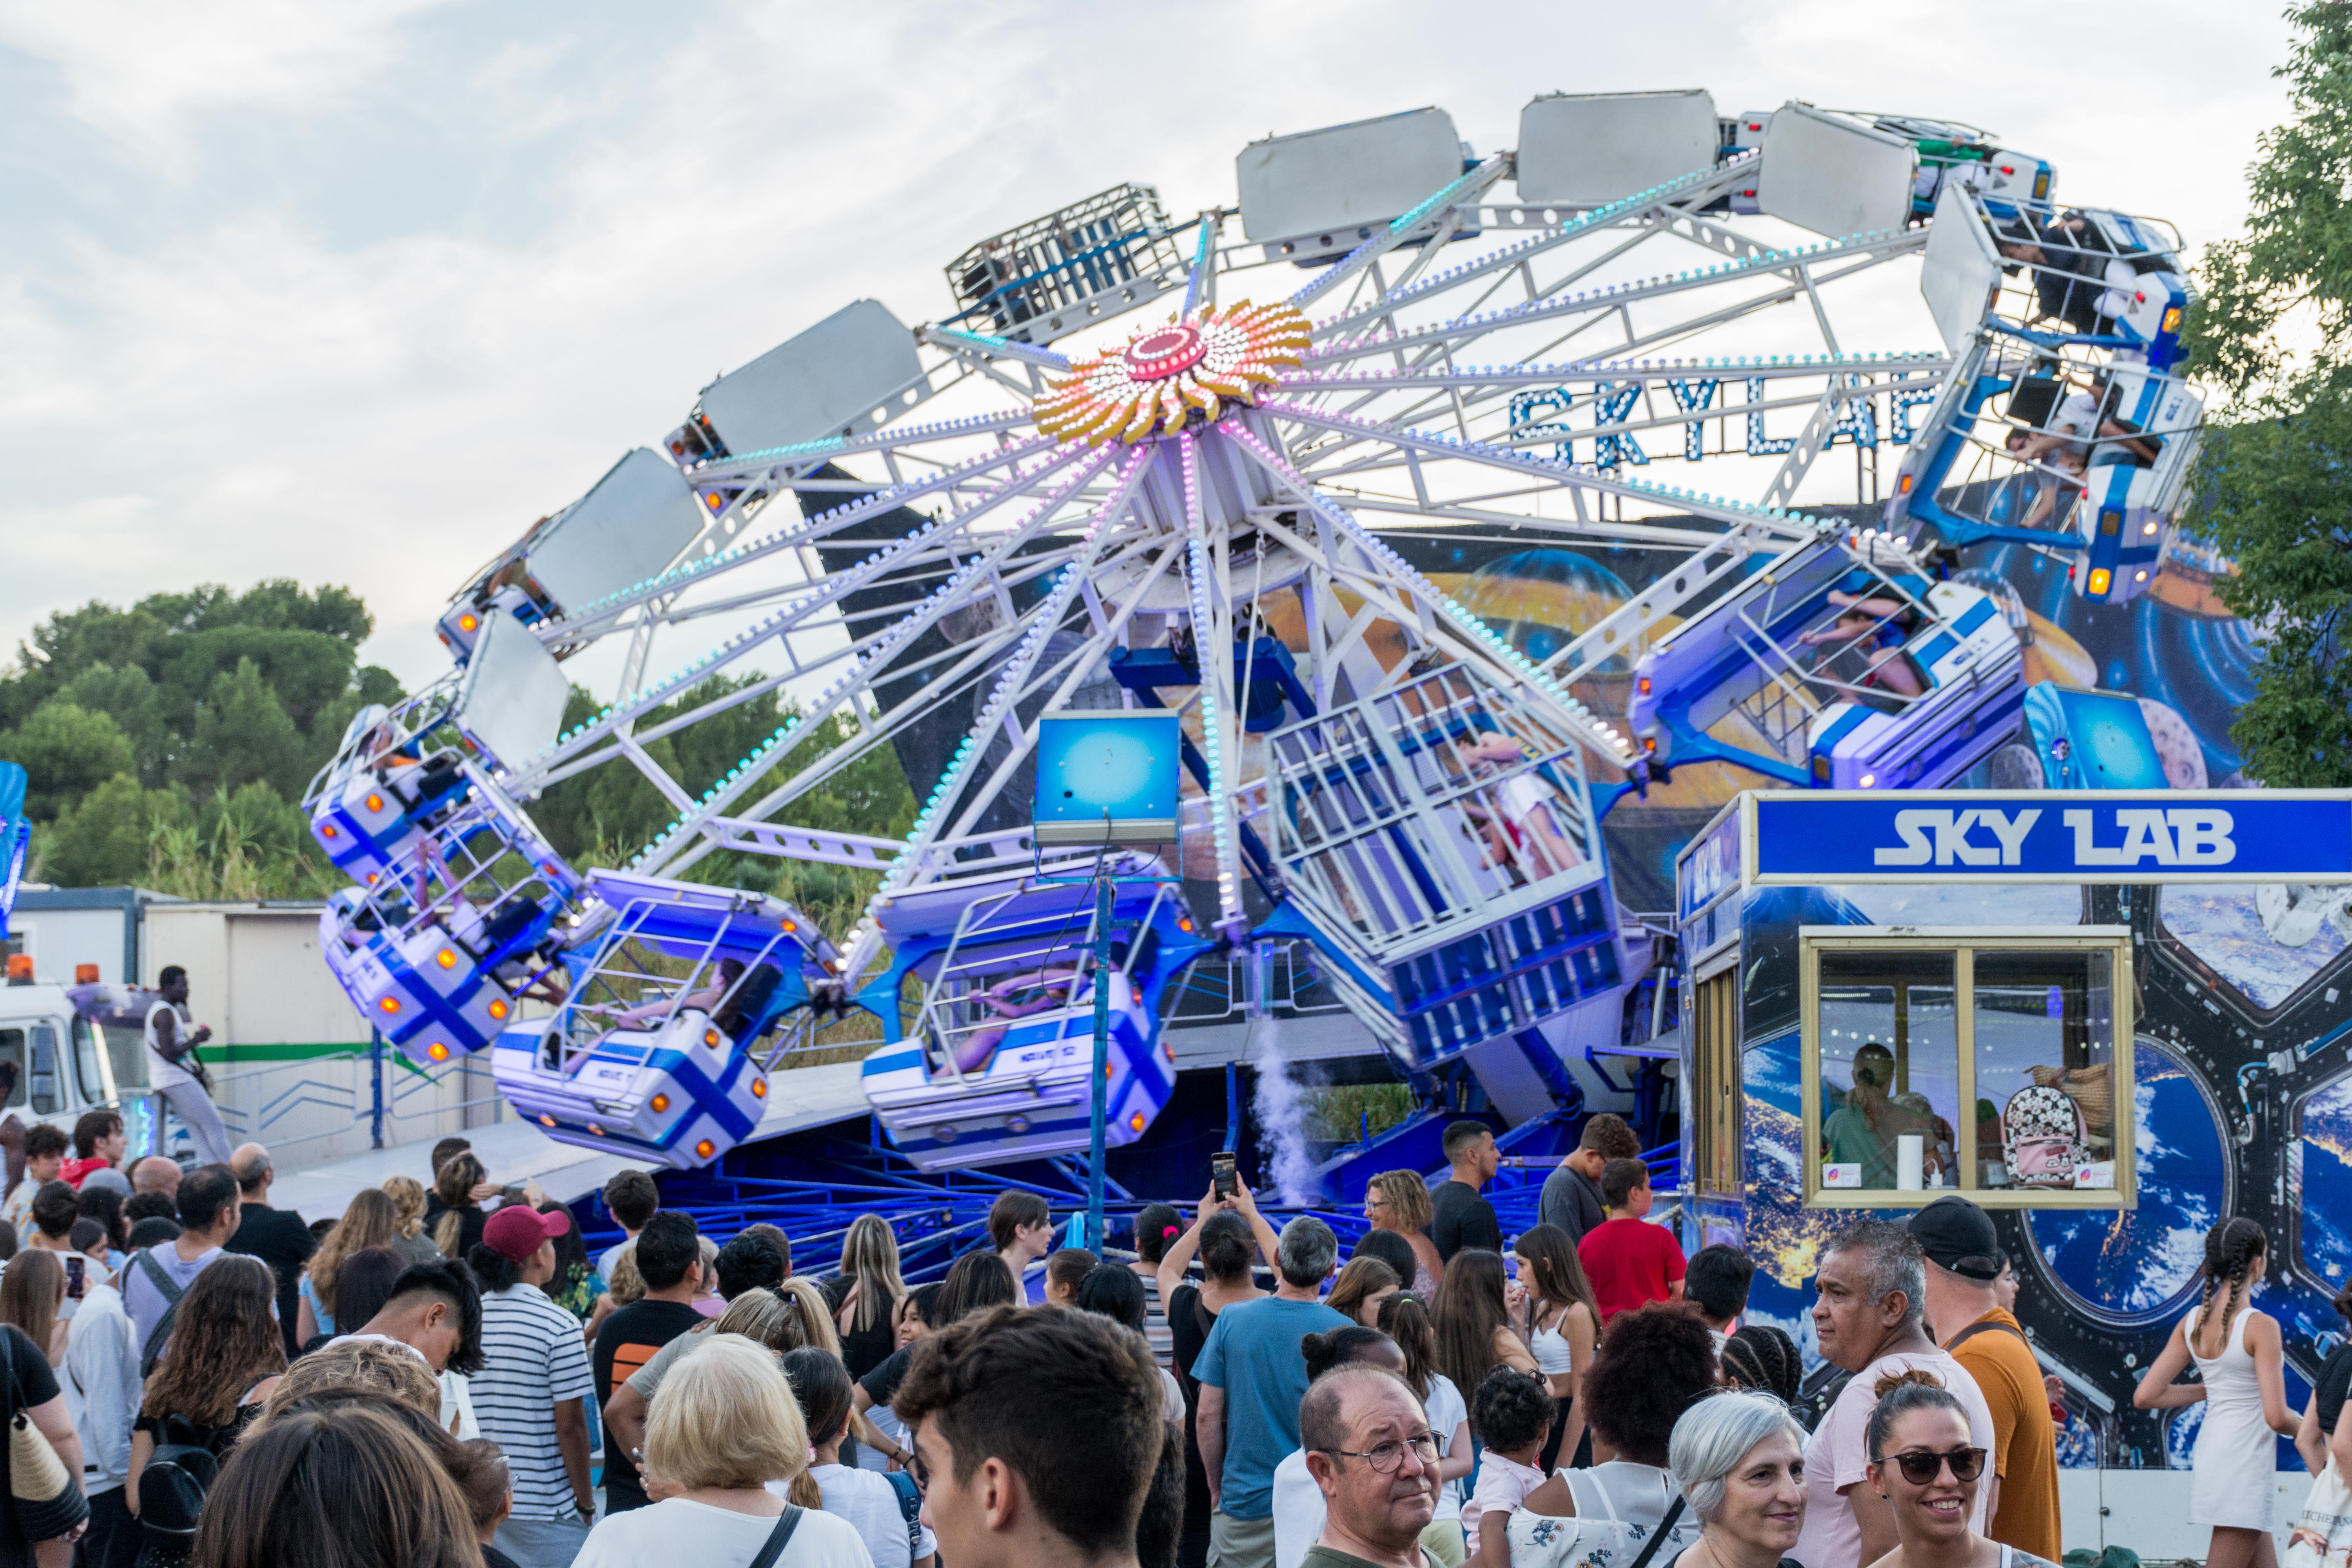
x=1964 y=943
x=1717 y=1083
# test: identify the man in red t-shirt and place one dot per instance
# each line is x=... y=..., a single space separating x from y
x=1629 y=1261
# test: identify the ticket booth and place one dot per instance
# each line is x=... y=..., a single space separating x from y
x=2100 y=1015
x=2113 y=1019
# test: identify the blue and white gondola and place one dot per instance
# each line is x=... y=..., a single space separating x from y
x=373 y=812
x=1439 y=850
x=439 y=950
x=1032 y=1097
x=689 y=1083
x=1745 y=656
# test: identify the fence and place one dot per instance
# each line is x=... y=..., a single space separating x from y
x=322 y=1107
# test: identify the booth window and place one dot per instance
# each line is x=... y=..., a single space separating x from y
x=1715 y=1083
x=1989 y=1064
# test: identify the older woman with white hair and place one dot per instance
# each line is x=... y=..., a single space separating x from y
x=1740 y=1457
x=725 y=1424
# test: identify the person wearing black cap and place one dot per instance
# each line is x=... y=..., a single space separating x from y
x=1964 y=1259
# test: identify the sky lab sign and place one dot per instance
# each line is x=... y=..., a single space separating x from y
x=1945 y=835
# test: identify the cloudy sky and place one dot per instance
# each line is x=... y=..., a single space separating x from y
x=353 y=292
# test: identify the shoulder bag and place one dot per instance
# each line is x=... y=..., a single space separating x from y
x=780 y=1536
x=48 y=1501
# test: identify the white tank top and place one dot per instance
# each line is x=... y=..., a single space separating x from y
x=1551 y=1351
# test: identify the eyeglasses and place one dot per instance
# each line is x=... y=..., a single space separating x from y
x=1920 y=1466
x=1389 y=1457
x=921 y=1471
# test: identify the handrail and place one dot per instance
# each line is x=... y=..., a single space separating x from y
x=363 y=1097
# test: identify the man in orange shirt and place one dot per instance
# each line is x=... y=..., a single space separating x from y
x=1964 y=1259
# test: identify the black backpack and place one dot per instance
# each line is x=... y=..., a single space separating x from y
x=172 y=1487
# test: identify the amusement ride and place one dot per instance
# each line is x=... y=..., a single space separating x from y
x=1177 y=466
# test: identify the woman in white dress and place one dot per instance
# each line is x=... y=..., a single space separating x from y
x=2236 y=1349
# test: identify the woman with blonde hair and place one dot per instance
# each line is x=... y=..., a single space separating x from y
x=1399 y=1201
x=393 y=1371
x=371 y=1220
x=732 y=1427
x=408 y=1238
x=869 y=1310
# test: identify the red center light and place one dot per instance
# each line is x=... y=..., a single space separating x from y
x=1168 y=352
x=705 y=1148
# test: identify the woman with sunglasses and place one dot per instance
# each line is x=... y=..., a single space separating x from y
x=1924 y=1467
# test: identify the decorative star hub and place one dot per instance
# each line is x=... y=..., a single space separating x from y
x=1166 y=376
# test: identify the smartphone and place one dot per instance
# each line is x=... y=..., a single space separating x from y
x=75 y=1265
x=1221 y=1172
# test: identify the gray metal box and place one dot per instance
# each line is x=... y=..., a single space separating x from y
x=510 y=699
x=1834 y=176
x=1586 y=148
x=1961 y=268
x=630 y=524
x=845 y=375
x=1345 y=177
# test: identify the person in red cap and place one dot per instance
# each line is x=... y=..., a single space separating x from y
x=531 y=1395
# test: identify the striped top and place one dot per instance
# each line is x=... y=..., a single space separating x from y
x=535 y=1360
x=1155 y=1323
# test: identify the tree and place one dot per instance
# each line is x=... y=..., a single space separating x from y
x=243 y=735
x=67 y=751
x=106 y=840
x=2269 y=488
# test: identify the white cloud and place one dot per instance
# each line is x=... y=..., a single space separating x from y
x=136 y=68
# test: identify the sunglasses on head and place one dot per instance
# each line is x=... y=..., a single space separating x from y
x=1919 y=1465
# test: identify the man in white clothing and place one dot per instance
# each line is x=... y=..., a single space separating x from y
x=171 y=1046
x=102 y=1386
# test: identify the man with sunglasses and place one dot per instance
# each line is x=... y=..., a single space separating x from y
x=1371 y=1451
x=1964 y=1313
x=1871 y=1298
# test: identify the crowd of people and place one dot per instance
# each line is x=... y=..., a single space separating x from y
x=444 y=1375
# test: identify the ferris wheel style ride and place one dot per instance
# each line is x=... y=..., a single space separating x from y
x=1164 y=464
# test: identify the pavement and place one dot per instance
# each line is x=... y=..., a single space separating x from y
x=518 y=1151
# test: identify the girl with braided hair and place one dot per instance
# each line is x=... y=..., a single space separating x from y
x=1765 y=1359
x=2236 y=1349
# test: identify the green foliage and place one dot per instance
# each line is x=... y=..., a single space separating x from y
x=1337 y=1113
x=103 y=840
x=167 y=742
x=67 y=751
x=2270 y=487
x=243 y=735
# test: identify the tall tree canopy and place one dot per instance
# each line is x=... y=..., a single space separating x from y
x=2273 y=334
x=172 y=738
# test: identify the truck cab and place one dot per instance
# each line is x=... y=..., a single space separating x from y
x=67 y=1060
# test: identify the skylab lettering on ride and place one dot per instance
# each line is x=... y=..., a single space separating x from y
x=2209 y=836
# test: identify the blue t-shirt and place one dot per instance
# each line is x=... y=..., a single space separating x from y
x=1253 y=1354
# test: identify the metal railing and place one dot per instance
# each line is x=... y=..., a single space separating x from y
x=316 y=1100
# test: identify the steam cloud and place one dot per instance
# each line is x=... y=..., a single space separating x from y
x=1280 y=1107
